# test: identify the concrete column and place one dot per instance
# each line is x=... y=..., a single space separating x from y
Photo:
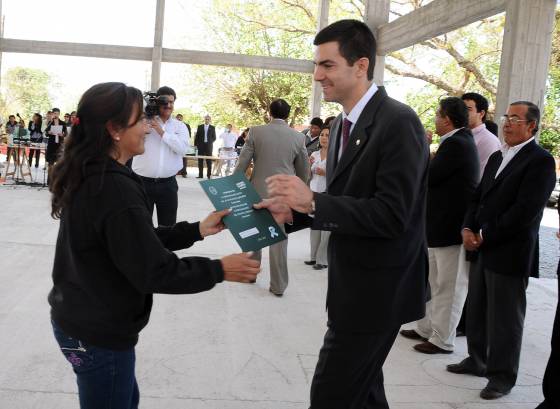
x=1 y=39
x=525 y=53
x=157 y=50
x=317 y=94
x=377 y=14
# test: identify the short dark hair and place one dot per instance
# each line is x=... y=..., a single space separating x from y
x=491 y=126
x=317 y=122
x=533 y=113
x=355 y=40
x=480 y=102
x=455 y=109
x=56 y=110
x=280 y=109
x=166 y=91
x=12 y=116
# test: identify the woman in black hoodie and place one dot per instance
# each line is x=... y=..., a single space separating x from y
x=109 y=257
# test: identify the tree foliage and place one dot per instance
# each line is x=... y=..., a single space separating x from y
x=27 y=91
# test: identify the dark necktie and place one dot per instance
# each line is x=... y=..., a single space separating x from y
x=346 y=124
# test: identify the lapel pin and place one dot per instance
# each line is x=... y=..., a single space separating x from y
x=357 y=142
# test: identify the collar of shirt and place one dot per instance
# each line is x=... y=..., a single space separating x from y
x=355 y=113
x=448 y=135
x=478 y=129
x=512 y=150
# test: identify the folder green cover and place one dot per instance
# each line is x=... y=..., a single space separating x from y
x=252 y=229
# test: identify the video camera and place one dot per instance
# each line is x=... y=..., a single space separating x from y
x=153 y=102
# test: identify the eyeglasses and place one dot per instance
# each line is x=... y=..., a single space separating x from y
x=513 y=120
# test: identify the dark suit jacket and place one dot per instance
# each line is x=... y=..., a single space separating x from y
x=204 y=148
x=312 y=146
x=509 y=209
x=452 y=179
x=375 y=209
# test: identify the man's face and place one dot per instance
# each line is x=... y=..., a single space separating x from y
x=475 y=118
x=12 y=119
x=207 y=120
x=314 y=130
x=443 y=124
x=179 y=117
x=338 y=79
x=522 y=130
x=167 y=109
x=55 y=115
x=229 y=127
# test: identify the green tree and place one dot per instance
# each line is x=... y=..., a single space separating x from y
x=27 y=91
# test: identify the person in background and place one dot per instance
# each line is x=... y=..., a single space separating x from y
x=109 y=259
x=56 y=139
x=312 y=137
x=502 y=225
x=36 y=136
x=241 y=140
x=328 y=121
x=166 y=144
x=319 y=239
x=204 y=142
x=275 y=148
x=183 y=171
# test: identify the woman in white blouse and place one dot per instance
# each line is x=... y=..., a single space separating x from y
x=319 y=239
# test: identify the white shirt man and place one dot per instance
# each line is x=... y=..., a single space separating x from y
x=165 y=147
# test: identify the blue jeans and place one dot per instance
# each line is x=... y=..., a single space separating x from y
x=105 y=377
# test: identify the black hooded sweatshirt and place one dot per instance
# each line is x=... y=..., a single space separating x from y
x=110 y=259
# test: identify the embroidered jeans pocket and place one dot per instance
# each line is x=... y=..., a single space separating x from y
x=74 y=350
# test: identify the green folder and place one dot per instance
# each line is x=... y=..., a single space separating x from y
x=252 y=229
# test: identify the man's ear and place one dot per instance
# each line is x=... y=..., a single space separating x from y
x=362 y=64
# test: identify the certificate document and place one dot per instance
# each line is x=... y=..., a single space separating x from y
x=252 y=229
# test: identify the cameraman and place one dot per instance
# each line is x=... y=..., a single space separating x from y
x=165 y=147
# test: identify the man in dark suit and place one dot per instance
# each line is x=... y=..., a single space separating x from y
x=312 y=137
x=377 y=167
x=204 y=142
x=452 y=179
x=551 y=378
x=502 y=224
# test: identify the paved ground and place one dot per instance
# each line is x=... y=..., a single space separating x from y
x=236 y=346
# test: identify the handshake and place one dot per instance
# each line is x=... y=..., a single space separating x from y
x=285 y=193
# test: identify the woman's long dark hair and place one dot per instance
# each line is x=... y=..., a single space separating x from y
x=89 y=139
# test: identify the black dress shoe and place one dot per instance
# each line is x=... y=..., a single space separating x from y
x=429 y=348
x=490 y=393
x=310 y=262
x=199 y=177
x=319 y=266
x=464 y=368
x=411 y=334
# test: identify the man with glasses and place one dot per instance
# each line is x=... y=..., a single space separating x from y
x=502 y=225
x=165 y=146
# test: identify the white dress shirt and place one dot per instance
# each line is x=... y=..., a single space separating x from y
x=355 y=113
x=486 y=144
x=448 y=135
x=318 y=183
x=229 y=139
x=509 y=152
x=163 y=155
x=206 y=132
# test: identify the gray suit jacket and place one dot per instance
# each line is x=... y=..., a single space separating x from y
x=274 y=148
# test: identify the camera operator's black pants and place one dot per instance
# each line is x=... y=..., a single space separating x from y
x=162 y=193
